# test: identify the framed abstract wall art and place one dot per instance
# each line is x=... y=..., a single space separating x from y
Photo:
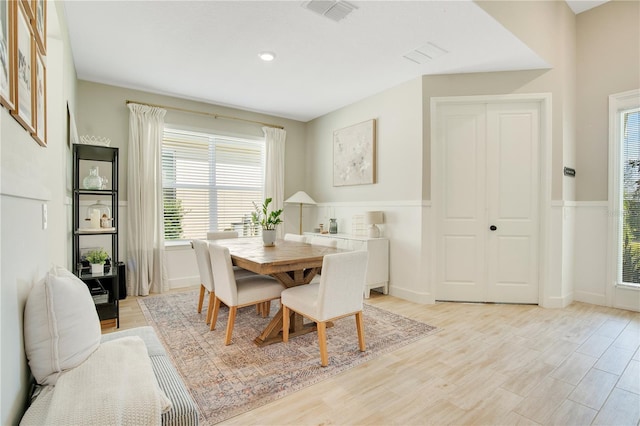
x=7 y=56
x=40 y=99
x=354 y=154
x=25 y=43
x=40 y=24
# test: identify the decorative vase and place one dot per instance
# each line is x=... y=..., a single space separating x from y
x=97 y=268
x=93 y=181
x=268 y=237
x=333 y=226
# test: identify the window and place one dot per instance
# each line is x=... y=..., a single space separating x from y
x=630 y=142
x=624 y=168
x=209 y=182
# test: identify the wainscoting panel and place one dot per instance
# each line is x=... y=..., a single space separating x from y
x=590 y=276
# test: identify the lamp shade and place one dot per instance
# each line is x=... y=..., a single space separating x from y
x=300 y=197
x=374 y=218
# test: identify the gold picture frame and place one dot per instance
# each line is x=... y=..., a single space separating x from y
x=40 y=98
x=28 y=8
x=40 y=24
x=23 y=70
x=7 y=55
x=354 y=154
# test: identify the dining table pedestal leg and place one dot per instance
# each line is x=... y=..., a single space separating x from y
x=273 y=332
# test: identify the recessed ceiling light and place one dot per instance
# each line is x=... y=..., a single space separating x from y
x=267 y=56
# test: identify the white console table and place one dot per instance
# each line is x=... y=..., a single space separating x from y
x=378 y=265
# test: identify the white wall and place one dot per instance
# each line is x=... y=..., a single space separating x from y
x=31 y=176
x=398 y=112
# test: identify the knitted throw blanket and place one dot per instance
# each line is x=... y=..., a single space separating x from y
x=114 y=386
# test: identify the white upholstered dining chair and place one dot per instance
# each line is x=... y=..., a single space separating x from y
x=221 y=235
x=295 y=237
x=201 y=248
x=338 y=294
x=237 y=293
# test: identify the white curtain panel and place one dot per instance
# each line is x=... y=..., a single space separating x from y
x=145 y=239
x=274 y=173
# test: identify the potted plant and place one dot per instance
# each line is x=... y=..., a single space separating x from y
x=267 y=221
x=97 y=258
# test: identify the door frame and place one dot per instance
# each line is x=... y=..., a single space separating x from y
x=544 y=205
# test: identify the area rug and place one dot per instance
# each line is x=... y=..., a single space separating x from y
x=229 y=380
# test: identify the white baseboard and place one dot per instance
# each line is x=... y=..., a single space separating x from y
x=184 y=282
x=589 y=297
x=557 y=302
x=412 y=296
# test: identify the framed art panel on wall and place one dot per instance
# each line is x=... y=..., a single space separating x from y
x=40 y=24
x=354 y=154
x=25 y=44
x=28 y=8
x=40 y=98
x=7 y=56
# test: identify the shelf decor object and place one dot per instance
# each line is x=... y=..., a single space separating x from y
x=92 y=180
x=354 y=154
x=94 y=140
x=372 y=219
x=300 y=198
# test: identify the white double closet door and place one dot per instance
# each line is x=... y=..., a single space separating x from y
x=488 y=182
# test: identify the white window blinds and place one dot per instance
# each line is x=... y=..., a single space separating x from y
x=630 y=134
x=209 y=183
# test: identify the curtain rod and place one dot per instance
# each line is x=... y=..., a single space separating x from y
x=211 y=114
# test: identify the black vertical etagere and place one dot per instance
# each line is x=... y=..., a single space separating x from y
x=108 y=310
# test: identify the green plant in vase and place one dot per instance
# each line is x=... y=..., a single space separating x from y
x=267 y=221
x=97 y=259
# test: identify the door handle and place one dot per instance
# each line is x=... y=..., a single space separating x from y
x=493 y=227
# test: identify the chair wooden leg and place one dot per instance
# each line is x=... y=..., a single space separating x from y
x=214 y=315
x=266 y=309
x=201 y=299
x=360 y=327
x=212 y=298
x=285 y=324
x=230 y=324
x=322 y=342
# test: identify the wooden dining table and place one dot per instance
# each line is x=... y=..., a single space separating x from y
x=292 y=263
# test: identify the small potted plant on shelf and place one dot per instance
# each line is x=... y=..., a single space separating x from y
x=267 y=221
x=97 y=259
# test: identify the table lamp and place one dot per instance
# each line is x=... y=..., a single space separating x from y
x=373 y=219
x=301 y=198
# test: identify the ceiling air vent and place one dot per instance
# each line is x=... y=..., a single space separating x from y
x=334 y=10
x=425 y=53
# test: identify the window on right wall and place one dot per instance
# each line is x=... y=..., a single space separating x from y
x=625 y=185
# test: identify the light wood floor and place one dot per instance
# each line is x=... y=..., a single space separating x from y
x=488 y=365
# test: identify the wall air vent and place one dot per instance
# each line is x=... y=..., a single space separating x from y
x=424 y=54
x=334 y=10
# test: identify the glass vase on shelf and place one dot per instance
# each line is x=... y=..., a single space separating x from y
x=93 y=180
x=333 y=226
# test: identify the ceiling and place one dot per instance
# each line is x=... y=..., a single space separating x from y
x=208 y=50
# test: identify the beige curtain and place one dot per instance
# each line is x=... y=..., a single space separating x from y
x=274 y=173
x=145 y=221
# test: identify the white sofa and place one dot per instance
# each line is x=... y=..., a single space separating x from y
x=84 y=377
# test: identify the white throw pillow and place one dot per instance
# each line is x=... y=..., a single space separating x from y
x=61 y=325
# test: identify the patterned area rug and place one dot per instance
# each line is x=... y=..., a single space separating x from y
x=229 y=380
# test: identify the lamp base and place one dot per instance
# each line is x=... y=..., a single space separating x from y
x=374 y=231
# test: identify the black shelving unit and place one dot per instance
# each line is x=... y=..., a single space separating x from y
x=107 y=308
